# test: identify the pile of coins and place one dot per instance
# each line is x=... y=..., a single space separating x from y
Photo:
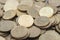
x=29 y=19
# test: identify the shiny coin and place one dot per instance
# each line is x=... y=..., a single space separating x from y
x=46 y=11
x=25 y=20
x=11 y=5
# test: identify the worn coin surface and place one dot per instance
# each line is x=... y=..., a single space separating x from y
x=9 y=14
x=11 y=5
x=34 y=32
x=7 y=25
x=25 y=20
x=41 y=21
x=50 y=35
x=19 y=32
x=25 y=4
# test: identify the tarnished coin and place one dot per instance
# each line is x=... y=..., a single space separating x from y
x=19 y=13
x=42 y=21
x=33 y=12
x=19 y=32
x=7 y=25
x=9 y=14
x=11 y=5
x=50 y=35
x=2 y=38
x=34 y=32
x=25 y=20
x=54 y=2
x=25 y=4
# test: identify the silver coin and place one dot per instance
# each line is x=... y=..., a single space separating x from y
x=9 y=14
x=34 y=32
x=7 y=25
x=42 y=21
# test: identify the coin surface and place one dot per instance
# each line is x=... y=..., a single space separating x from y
x=9 y=14
x=46 y=11
x=25 y=20
x=11 y=5
x=34 y=32
x=41 y=21
x=25 y=4
x=7 y=25
x=19 y=32
x=50 y=35
x=33 y=12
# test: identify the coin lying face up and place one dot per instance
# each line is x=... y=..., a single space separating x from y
x=42 y=21
x=25 y=20
x=9 y=14
x=50 y=35
x=19 y=32
x=34 y=32
x=46 y=11
x=6 y=25
x=25 y=4
x=11 y=5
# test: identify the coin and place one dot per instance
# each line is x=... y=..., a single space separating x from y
x=42 y=21
x=25 y=20
x=9 y=14
x=50 y=35
x=11 y=5
x=34 y=32
x=7 y=25
x=33 y=12
x=46 y=11
x=25 y=4
x=19 y=32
